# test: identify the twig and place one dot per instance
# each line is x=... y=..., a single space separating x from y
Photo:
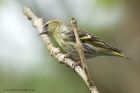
x=38 y=23
x=80 y=48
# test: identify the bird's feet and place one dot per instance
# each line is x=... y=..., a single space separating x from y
x=78 y=63
x=68 y=55
x=62 y=57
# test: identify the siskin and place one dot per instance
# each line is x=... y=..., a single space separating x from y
x=63 y=34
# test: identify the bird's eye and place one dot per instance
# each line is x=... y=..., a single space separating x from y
x=46 y=25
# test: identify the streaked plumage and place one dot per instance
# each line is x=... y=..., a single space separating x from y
x=63 y=34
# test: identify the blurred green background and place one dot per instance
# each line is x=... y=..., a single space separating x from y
x=26 y=64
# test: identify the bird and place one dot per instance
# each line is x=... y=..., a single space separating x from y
x=63 y=35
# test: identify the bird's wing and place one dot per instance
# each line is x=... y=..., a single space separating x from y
x=92 y=39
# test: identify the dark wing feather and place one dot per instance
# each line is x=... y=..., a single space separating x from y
x=92 y=39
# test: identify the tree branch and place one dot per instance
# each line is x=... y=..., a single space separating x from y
x=80 y=48
x=38 y=23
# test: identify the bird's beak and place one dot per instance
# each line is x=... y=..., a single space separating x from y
x=44 y=32
x=45 y=29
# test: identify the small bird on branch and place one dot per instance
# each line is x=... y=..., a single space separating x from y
x=63 y=34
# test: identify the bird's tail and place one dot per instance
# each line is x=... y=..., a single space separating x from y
x=120 y=55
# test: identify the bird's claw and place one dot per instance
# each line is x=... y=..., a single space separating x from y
x=54 y=51
x=62 y=58
x=76 y=64
x=68 y=55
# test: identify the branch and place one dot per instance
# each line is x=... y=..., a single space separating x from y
x=80 y=48
x=38 y=23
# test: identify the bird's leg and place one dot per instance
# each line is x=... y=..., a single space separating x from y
x=63 y=57
x=68 y=55
x=78 y=63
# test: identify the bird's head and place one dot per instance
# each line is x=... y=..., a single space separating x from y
x=51 y=26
